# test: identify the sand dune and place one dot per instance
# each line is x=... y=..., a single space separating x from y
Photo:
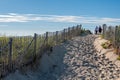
x=76 y=59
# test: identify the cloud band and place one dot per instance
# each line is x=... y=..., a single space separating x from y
x=14 y=17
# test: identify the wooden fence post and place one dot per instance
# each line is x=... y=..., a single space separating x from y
x=35 y=43
x=75 y=30
x=73 y=33
x=80 y=26
x=69 y=35
x=10 y=54
x=116 y=35
x=116 y=45
x=56 y=37
x=104 y=30
x=64 y=35
x=46 y=38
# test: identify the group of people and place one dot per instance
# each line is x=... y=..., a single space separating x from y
x=98 y=30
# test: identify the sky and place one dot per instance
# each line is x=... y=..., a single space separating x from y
x=26 y=17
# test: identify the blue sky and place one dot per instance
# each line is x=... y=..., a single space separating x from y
x=24 y=17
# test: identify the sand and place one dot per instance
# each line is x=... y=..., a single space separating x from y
x=76 y=59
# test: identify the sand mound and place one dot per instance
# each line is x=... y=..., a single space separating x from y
x=76 y=59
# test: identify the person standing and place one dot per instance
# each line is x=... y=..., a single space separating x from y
x=96 y=30
x=100 y=29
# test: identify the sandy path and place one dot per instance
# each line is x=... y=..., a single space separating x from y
x=109 y=53
x=74 y=60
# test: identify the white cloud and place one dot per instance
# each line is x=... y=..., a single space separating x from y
x=13 y=17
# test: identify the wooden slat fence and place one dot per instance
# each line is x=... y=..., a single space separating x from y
x=16 y=52
x=112 y=33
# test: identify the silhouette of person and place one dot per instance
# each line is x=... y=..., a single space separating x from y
x=96 y=30
x=100 y=29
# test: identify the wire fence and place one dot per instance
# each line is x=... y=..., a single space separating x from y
x=112 y=33
x=16 y=52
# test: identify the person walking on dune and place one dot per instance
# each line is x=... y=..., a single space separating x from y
x=96 y=30
x=100 y=29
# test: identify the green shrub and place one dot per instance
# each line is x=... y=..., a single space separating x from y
x=118 y=58
x=106 y=45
